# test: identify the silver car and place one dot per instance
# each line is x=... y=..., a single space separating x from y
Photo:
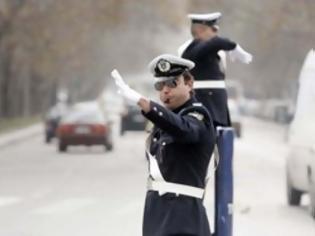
x=300 y=164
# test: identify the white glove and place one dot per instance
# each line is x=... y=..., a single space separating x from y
x=124 y=89
x=240 y=54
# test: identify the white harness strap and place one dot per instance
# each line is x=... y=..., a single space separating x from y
x=219 y=84
x=166 y=187
x=183 y=47
x=159 y=184
x=154 y=168
x=214 y=163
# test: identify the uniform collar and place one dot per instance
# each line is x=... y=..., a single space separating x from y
x=199 y=40
x=188 y=103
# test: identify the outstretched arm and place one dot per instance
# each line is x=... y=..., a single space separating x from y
x=214 y=45
x=186 y=128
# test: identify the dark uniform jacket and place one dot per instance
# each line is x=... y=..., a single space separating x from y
x=207 y=67
x=182 y=141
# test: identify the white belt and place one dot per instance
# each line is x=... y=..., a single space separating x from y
x=166 y=187
x=219 y=84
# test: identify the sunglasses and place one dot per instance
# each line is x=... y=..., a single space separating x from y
x=171 y=83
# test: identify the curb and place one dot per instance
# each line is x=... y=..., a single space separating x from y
x=20 y=135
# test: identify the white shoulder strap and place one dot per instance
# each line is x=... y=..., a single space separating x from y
x=154 y=169
x=183 y=47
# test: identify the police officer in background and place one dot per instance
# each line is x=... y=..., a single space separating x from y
x=179 y=149
x=208 y=72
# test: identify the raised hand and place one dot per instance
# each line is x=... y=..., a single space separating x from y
x=123 y=89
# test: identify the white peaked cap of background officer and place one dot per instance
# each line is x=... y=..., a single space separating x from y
x=205 y=17
x=167 y=65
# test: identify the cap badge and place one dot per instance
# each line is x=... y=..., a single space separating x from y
x=164 y=66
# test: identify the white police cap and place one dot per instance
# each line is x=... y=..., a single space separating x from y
x=206 y=19
x=167 y=65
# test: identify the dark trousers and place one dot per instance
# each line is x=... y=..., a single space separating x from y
x=182 y=235
x=169 y=215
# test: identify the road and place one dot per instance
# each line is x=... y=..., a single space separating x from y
x=88 y=191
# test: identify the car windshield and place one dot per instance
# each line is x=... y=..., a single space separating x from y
x=302 y=128
x=83 y=117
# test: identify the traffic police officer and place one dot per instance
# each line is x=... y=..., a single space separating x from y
x=179 y=149
x=208 y=72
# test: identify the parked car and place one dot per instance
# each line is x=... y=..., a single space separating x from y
x=84 y=124
x=132 y=119
x=278 y=110
x=300 y=163
x=236 y=119
x=52 y=120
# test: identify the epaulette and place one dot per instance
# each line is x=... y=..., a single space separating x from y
x=197 y=104
x=197 y=115
x=198 y=111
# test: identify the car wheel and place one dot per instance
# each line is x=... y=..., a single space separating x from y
x=293 y=195
x=312 y=195
x=122 y=131
x=238 y=132
x=62 y=147
x=312 y=202
x=108 y=146
x=47 y=138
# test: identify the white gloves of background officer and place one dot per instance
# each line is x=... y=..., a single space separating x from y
x=240 y=54
x=123 y=89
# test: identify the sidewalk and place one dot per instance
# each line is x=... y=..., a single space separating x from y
x=20 y=135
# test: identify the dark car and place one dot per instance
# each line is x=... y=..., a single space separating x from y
x=235 y=97
x=132 y=119
x=236 y=117
x=85 y=126
x=51 y=125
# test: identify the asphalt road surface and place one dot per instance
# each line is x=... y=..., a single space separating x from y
x=88 y=191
